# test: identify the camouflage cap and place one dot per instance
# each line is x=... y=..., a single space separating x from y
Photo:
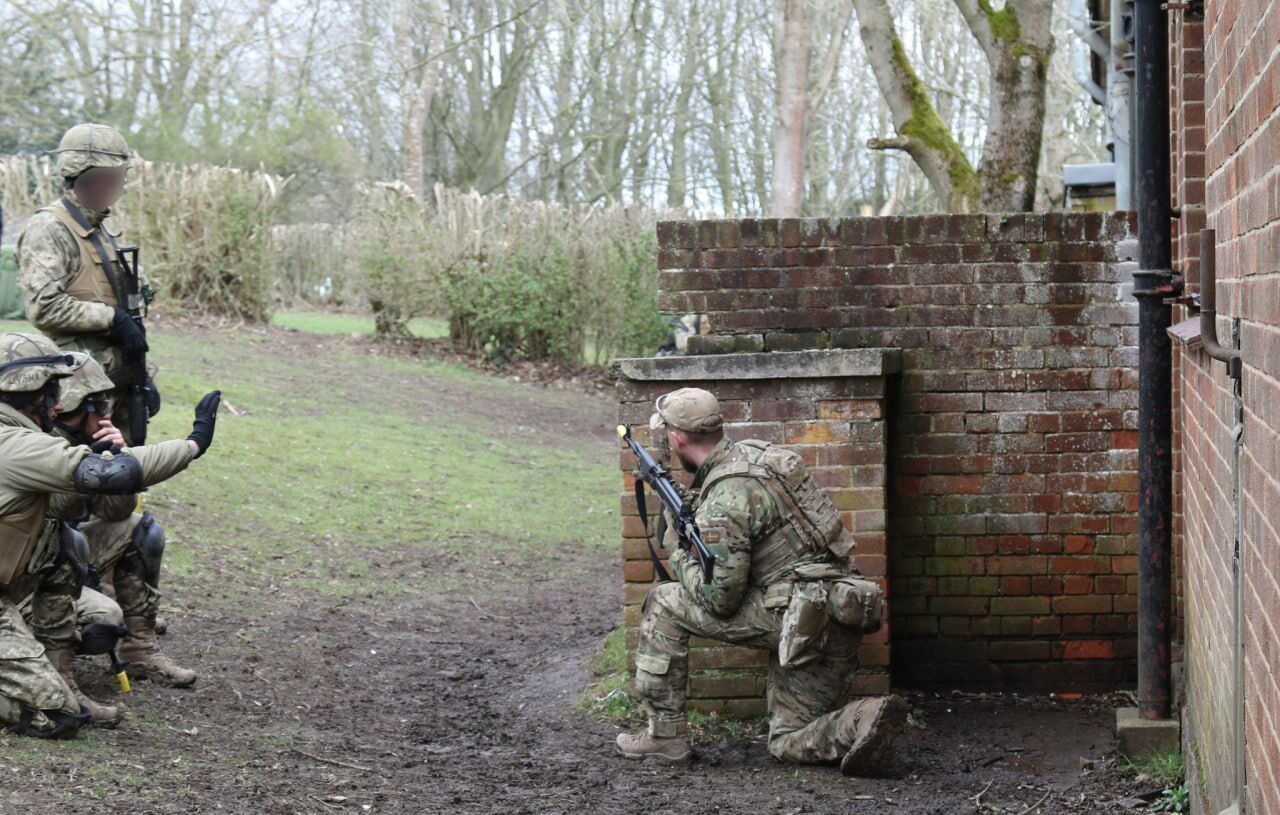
x=90 y=145
x=87 y=379
x=692 y=410
x=28 y=361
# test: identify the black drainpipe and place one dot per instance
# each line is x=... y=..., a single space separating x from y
x=1153 y=283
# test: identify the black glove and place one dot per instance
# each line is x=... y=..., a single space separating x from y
x=127 y=334
x=153 y=398
x=206 y=418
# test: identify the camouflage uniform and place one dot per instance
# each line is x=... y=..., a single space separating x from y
x=34 y=468
x=112 y=527
x=763 y=555
x=69 y=293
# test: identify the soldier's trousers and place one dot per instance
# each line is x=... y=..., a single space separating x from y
x=803 y=701
x=45 y=617
x=119 y=565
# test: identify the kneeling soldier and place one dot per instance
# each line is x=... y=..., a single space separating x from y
x=125 y=546
x=780 y=582
x=34 y=467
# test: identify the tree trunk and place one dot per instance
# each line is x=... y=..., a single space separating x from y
x=1019 y=61
x=793 y=105
x=921 y=133
x=1017 y=42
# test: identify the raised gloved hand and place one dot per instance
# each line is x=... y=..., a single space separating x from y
x=127 y=334
x=206 y=418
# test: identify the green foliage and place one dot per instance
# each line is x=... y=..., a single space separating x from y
x=608 y=696
x=514 y=279
x=1164 y=768
x=1174 y=799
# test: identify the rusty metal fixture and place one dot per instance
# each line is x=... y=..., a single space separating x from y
x=1209 y=303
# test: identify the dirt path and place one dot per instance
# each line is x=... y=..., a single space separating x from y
x=462 y=700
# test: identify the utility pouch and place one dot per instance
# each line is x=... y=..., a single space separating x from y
x=19 y=535
x=804 y=625
x=856 y=603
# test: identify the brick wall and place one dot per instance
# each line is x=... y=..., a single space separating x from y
x=1012 y=429
x=1242 y=85
x=1187 y=136
x=833 y=418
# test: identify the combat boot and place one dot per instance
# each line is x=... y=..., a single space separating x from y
x=146 y=660
x=101 y=715
x=642 y=745
x=875 y=724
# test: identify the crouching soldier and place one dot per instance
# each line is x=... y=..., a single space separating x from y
x=34 y=467
x=125 y=546
x=780 y=583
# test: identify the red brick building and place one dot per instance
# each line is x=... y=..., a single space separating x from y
x=966 y=387
x=1226 y=80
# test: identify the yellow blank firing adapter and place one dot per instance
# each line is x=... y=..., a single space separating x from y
x=622 y=431
x=122 y=680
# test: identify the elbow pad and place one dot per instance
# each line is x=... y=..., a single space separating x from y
x=112 y=475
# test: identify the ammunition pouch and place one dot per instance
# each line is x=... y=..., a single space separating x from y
x=804 y=625
x=856 y=602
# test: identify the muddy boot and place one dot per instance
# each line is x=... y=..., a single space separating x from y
x=100 y=715
x=146 y=660
x=162 y=626
x=642 y=745
x=877 y=723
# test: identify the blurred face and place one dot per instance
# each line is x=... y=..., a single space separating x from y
x=678 y=442
x=98 y=188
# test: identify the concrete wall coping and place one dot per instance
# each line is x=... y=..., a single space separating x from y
x=836 y=363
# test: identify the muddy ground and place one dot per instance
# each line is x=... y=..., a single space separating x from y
x=460 y=696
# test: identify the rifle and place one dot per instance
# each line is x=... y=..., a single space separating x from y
x=659 y=480
x=137 y=298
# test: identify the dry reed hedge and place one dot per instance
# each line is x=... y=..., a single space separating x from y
x=204 y=230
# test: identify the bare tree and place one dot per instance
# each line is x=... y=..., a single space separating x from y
x=1017 y=43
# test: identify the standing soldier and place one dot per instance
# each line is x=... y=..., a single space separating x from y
x=780 y=582
x=125 y=546
x=34 y=467
x=78 y=287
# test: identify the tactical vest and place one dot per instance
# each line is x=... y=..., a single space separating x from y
x=90 y=282
x=809 y=528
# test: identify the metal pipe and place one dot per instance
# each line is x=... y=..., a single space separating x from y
x=1209 y=303
x=1081 y=22
x=1119 y=109
x=1082 y=72
x=1152 y=285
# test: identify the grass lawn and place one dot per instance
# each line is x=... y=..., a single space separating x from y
x=324 y=322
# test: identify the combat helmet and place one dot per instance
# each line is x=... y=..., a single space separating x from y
x=87 y=379
x=90 y=145
x=29 y=361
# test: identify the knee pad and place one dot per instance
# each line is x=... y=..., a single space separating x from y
x=148 y=541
